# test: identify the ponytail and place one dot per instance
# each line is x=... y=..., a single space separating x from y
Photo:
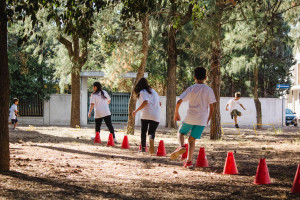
x=99 y=90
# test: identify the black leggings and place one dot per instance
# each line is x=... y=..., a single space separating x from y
x=150 y=126
x=107 y=120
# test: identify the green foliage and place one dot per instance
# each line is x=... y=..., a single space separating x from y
x=29 y=76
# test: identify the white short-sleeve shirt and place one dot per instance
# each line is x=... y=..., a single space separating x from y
x=152 y=110
x=199 y=97
x=12 y=114
x=101 y=108
x=233 y=104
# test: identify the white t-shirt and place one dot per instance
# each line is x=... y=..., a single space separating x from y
x=12 y=113
x=101 y=108
x=199 y=97
x=152 y=110
x=233 y=104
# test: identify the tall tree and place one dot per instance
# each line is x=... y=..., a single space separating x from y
x=175 y=24
x=140 y=11
x=4 y=90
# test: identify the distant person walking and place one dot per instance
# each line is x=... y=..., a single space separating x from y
x=99 y=102
x=232 y=107
x=14 y=113
x=150 y=109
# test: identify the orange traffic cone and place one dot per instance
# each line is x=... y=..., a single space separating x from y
x=230 y=166
x=262 y=173
x=185 y=155
x=296 y=184
x=202 y=159
x=97 y=138
x=125 y=143
x=110 y=141
x=161 y=151
x=145 y=148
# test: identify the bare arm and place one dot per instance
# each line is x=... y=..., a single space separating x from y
x=91 y=109
x=242 y=106
x=108 y=101
x=211 y=110
x=227 y=107
x=140 y=108
x=176 y=114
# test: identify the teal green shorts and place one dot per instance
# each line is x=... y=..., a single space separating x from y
x=196 y=130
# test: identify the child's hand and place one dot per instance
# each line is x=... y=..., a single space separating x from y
x=177 y=117
x=89 y=115
x=226 y=109
x=134 y=113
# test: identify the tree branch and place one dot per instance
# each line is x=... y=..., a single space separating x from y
x=67 y=44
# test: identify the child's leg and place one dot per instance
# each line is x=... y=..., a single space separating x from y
x=191 y=148
x=15 y=125
x=98 y=122
x=144 y=129
x=152 y=129
x=235 y=119
x=151 y=133
x=109 y=125
x=181 y=139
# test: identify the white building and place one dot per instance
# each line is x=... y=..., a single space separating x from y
x=293 y=99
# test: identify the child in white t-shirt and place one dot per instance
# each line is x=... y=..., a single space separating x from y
x=150 y=108
x=13 y=114
x=232 y=104
x=99 y=102
x=200 y=98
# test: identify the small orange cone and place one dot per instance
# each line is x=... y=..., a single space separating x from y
x=161 y=151
x=296 y=184
x=185 y=155
x=110 y=141
x=230 y=166
x=97 y=138
x=262 y=173
x=145 y=148
x=202 y=159
x=125 y=143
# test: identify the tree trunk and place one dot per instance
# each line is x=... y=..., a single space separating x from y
x=215 y=73
x=255 y=94
x=140 y=74
x=4 y=91
x=171 y=79
x=75 y=92
x=78 y=59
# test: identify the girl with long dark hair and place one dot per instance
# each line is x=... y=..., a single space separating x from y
x=99 y=101
x=150 y=108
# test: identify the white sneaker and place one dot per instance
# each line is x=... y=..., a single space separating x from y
x=115 y=140
x=92 y=138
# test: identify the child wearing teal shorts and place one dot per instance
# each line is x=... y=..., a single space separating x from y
x=200 y=98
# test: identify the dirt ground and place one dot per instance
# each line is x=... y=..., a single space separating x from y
x=64 y=163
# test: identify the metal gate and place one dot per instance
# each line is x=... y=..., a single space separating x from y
x=118 y=107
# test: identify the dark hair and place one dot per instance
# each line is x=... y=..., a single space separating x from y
x=99 y=89
x=141 y=85
x=200 y=73
x=15 y=100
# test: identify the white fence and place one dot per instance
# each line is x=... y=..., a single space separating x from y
x=273 y=111
x=57 y=111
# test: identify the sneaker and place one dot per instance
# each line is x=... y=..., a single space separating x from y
x=188 y=165
x=92 y=138
x=177 y=153
x=237 y=126
x=115 y=140
x=151 y=149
